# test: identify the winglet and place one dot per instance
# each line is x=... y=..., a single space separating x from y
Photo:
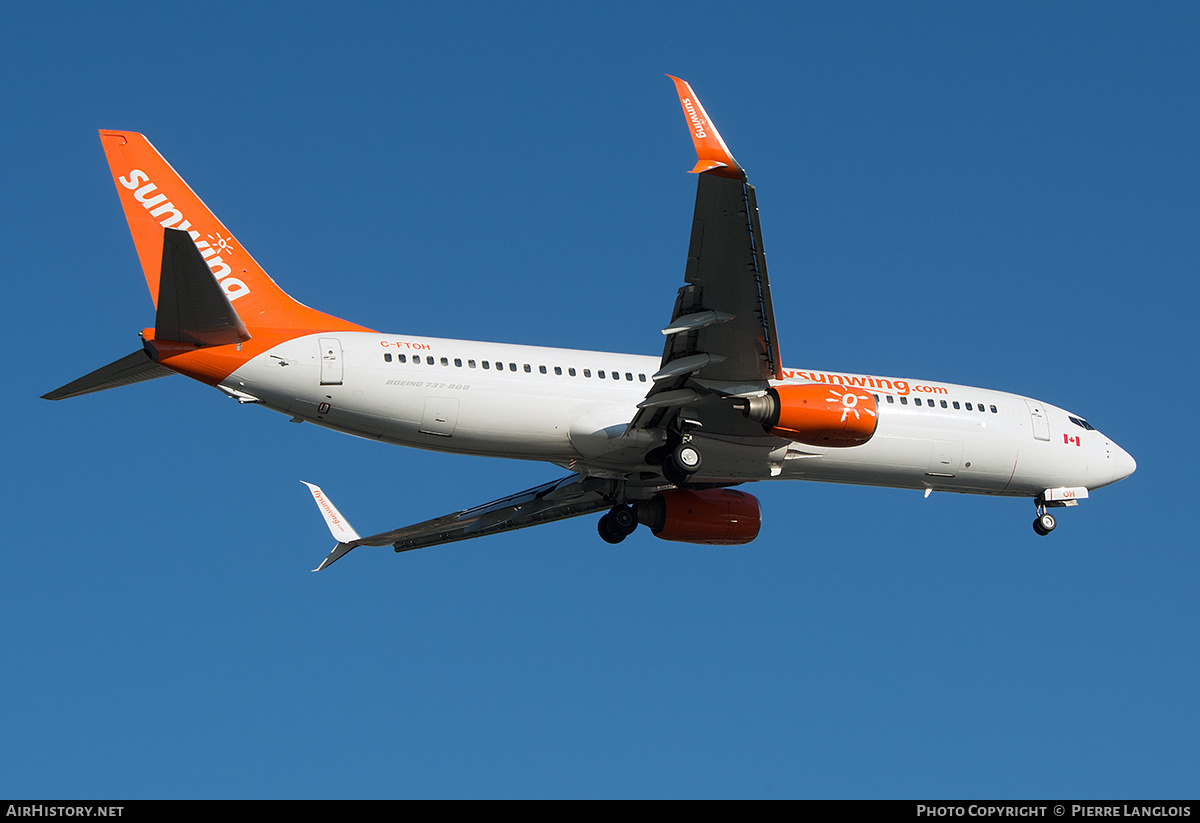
x=712 y=154
x=341 y=530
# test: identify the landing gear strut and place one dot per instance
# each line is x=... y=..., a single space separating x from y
x=617 y=524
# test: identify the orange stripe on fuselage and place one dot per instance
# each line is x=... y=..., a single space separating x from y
x=212 y=364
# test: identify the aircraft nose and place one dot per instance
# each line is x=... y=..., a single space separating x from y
x=1123 y=463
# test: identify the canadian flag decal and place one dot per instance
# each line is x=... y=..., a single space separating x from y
x=1068 y=439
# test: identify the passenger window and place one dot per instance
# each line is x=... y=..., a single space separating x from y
x=499 y=366
x=387 y=357
x=955 y=404
x=512 y=366
x=542 y=369
x=944 y=404
x=903 y=401
x=528 y=369
x=558 y=370
x=486 y=364
x=587 y=373
x=402 y=357
x=969 y=407
x=891 y=398
x=642 y=378
x=994 y=410
x=629 y=376
x=429 y=360
x=470 y=364
x=445 y=362
x=917 y=400
x=458 y=362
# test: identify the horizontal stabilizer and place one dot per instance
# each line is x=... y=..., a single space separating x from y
x=192 y=306
x=133 y=368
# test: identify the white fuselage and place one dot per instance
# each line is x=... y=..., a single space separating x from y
x=572 y=408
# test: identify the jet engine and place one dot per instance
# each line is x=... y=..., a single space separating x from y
x=817 y=414
x=720 y=517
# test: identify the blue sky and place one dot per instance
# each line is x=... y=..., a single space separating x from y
x=999 y=195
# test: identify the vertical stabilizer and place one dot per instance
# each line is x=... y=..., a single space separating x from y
x=155 y=198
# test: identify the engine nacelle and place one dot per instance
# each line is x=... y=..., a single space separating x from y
x=721 y=517
x=817 y=414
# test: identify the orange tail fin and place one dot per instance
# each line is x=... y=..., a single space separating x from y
x=155 y=198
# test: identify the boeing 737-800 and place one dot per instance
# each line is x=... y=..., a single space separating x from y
x=659 y=441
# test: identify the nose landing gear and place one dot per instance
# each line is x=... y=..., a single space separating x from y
x=1055 y=498
x=1044 y=523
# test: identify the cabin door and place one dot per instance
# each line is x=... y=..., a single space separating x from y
x=331 y=361
x=1041 y=424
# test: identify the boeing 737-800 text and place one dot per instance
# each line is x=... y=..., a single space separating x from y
x=659 y=441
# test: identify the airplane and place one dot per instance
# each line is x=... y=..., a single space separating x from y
x=654 y=441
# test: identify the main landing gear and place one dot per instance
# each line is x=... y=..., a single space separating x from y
x=680 y=463
x=619 y=523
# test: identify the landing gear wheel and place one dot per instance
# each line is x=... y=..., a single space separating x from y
x=617 y=524
x=1044 y=523
x=681 y=464
x=687 y=458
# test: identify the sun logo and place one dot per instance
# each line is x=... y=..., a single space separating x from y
x=849 y=401
x=223 y=245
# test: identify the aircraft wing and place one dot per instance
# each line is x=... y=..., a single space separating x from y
x=722 y=336
x=569 y=497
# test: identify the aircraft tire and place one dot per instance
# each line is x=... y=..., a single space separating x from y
x=1043 y=524
x=616 y=525
x=687 y=458
x=622 y=519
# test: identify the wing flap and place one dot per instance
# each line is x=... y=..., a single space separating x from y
x=561 y=499
x=727 y=278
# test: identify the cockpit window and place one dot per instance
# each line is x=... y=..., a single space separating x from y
x=1081 y=423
